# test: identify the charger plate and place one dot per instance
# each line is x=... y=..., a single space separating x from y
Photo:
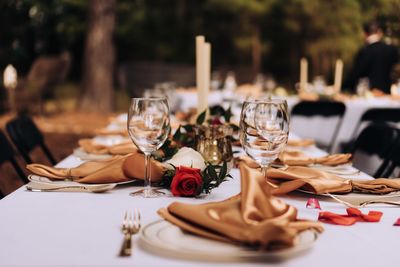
x=166 y=239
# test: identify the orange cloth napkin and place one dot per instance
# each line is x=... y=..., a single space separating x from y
x=319 y=182
x=105 y=131
x=301 y=142
x=91 y=147
x=252 y=217
x=289 y=179
x=113 y=170
x=298 y=158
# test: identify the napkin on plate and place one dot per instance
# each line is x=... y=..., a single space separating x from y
x=301 y=142
x=114 y=170
x=89 y=146
x=253 y=217
x=299 y=158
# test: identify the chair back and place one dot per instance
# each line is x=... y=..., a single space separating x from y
x=26 y=136
x=7 y=154
x=324 y=109
x=377 y=140
x=378 y=115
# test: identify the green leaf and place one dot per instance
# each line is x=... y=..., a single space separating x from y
x=177 y=135
x=223 y=171
x=212 y=172
x=201 y=118
x=188 y=128
x=228 y=115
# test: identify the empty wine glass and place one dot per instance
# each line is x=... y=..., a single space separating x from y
x=148 y=127
x=264 y=130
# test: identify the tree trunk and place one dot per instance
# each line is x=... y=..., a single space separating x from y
x=99 y=57
x=256 y=50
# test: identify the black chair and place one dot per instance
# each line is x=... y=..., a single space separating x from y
x=324 y=109
x=376 y=140
x=393 y=161
x=26 y=136
x=7 y=154
x=373 y=115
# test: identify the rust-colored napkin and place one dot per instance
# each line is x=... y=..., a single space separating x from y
x=301 y=142
x=299 y=158
x=253 y=217
x=319 y=182
x=105 y=131
x=289 y=179
x=113 y=170
x=89 y=146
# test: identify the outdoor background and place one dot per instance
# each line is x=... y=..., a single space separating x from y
x=153 y=41
x=79 y=61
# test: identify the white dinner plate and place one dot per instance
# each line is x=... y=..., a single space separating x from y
x=78 y=152
x=166 y=239
x=44 y=180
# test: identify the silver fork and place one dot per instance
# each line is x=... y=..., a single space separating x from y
x=130 y=226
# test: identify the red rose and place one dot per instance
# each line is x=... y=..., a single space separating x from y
x=187 y=182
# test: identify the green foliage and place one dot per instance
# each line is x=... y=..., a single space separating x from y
x=213 y=176
x=201 y=118
x=164 y=31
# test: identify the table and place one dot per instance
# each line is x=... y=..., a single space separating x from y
x=355 y=108
x=83 y=229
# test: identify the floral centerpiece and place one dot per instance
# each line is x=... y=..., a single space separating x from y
x=190 y=172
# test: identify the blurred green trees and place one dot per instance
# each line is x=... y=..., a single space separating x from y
x=269 y=35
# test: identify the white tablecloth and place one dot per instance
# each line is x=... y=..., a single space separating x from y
x=83 y=229
x=321 y=127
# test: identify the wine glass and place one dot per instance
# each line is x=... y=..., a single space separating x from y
x=264 y=130
x=148 y=127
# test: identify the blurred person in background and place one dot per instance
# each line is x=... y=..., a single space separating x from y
x=374 y=61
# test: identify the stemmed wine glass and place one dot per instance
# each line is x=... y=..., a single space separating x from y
x=264 y=130
x=148 y=127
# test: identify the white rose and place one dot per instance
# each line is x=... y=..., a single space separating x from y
x=186 y=157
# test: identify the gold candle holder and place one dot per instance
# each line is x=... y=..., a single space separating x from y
x=213 y=142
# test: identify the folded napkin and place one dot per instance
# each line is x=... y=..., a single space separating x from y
x=301 y=142
x=291 y=178
x=105 y=131
x=319 y=182
x=89 y=146
x=253 y=217
x=113 y=170
x=298 y=158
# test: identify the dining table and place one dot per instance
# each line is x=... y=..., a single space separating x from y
x=84 y=229
x=303 y=126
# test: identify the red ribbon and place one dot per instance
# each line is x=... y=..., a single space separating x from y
x=353 y=215
x=397 y=222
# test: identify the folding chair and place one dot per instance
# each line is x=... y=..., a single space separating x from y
x=323 y=109
x=26 y=136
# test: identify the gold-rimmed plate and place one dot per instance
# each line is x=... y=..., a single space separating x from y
x=168 y=240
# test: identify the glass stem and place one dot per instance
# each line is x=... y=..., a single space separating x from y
x=147 y=174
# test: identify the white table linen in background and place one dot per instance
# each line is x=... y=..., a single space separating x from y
x=322 y=127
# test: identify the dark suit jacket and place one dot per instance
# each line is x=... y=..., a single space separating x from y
x=375 y=62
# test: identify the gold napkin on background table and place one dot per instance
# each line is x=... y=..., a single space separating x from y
x=253 y=217
x=105 y=131
x=301 y=142
x=299 y=158
x=89 y=146
x=113 y=170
